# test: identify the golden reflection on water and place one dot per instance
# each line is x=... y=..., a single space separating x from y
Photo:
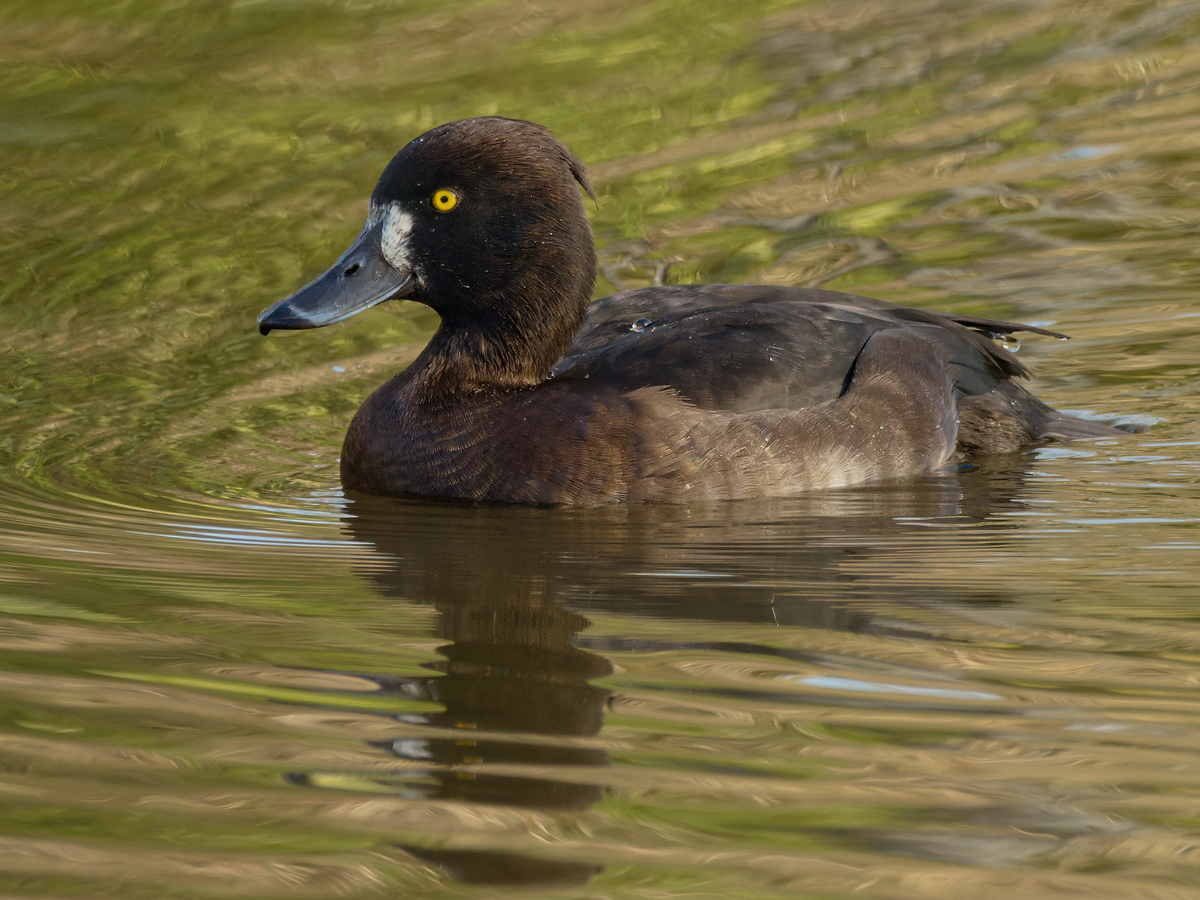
x=777 y=720
x=219 y=677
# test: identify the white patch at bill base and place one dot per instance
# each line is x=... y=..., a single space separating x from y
x=397 y=225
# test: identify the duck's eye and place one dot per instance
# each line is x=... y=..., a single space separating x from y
x=444 y=200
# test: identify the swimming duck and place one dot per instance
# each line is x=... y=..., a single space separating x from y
x=527 y=393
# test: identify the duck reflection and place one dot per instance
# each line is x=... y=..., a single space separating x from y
x=514 y=688
x=517 y=688
x=511 y=587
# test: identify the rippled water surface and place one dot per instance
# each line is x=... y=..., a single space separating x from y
x=221 y=677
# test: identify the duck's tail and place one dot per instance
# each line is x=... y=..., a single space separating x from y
x=1008 y=419
x=1062 y=426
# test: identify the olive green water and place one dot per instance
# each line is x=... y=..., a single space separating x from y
x=221 y=678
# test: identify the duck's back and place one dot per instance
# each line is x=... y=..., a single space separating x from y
x=760 y=347
x=747 y=347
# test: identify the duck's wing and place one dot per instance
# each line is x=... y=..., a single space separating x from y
x=744 y=347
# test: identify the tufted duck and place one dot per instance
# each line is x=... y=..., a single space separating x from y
x=529 y=394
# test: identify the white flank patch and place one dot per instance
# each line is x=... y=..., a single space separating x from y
x=397 y=225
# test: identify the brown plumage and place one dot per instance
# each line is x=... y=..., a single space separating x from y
x=528 y=394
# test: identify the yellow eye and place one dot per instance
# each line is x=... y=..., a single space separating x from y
x=444 y=200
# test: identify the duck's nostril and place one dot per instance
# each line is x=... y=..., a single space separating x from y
x=351 y=270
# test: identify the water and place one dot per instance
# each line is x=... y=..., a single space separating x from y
x=223 y=678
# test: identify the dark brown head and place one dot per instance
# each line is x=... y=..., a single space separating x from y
x=482 y=221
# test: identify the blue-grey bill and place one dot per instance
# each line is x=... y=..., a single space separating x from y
x=360 y=279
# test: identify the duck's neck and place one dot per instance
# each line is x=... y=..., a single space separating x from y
x=514 y=347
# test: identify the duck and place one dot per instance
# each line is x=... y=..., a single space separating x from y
x=530 y=393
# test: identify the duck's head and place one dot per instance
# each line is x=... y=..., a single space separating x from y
x=482 y=221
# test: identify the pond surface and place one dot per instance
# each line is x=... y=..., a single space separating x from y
x=221 y=677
